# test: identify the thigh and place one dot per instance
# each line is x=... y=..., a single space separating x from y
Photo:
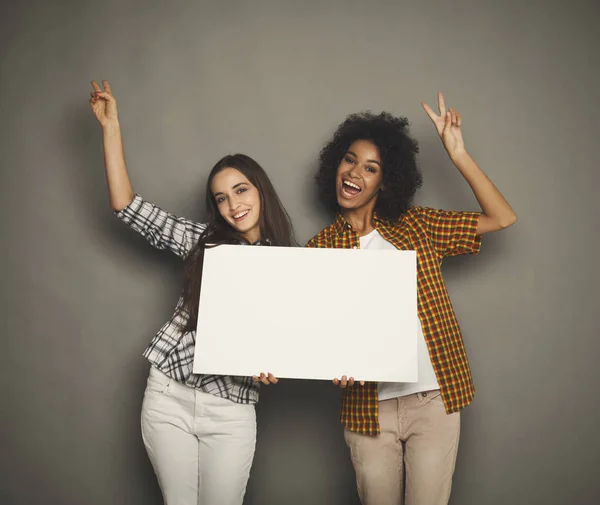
x=227 y=439
x=377 y=459
x=431 y=449
x=171 y=446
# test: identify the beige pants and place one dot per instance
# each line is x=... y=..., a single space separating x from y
x=417 y=437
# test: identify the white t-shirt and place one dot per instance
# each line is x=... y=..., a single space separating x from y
x=426 y=375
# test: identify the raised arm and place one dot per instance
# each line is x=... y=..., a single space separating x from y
x=162 y=229
x=104 y=106
x=497 y=214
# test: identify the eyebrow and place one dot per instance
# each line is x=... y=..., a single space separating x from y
x=369 y=161
x=235 y=186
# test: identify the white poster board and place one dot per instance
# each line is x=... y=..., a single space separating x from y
x=308 y=313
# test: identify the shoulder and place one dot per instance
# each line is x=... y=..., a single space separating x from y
x=322 y=238
x=420 y=210
x=426 y=214
x=412 y=214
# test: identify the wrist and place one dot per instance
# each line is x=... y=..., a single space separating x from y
x=111 y=128
x=459 y=156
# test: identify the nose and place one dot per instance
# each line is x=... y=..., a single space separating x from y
x=233 y=203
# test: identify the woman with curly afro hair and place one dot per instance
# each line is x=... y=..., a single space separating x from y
x=403 y=437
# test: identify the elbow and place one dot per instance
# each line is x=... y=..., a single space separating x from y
x=117 y=207
x=489 y=223
x=118 y=204
x=507 y=221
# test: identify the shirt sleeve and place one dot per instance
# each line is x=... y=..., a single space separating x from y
x=162 y=229
x=451 y=232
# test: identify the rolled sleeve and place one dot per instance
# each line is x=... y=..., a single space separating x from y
x=452 y=232
x=162 y=229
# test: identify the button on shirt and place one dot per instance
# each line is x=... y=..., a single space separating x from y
x=433 y=234
x=172 y=351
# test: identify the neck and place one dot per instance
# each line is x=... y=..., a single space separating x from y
x=252 y=236
x=360 y=219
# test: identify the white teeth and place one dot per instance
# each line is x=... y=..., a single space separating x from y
x=352 y=185
x=240 y=214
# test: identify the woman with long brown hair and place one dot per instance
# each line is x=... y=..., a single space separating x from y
x=199 y=430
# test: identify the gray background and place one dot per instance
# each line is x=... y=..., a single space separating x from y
x=82 y=295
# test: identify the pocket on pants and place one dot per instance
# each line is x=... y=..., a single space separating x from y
x=436 y=396
x=426 y=397
x=157 y=382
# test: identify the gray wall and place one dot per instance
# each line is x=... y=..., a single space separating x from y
x=82 y=295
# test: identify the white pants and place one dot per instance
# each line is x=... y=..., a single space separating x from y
x=201 y=446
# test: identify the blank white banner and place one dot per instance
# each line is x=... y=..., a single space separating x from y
x=308 y=313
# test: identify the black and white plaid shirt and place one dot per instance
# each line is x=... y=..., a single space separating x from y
x=172 y=351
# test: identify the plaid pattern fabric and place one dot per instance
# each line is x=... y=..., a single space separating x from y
x=433 y=234
x=172 y=351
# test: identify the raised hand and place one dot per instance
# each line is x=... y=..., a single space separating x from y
x=104 y=105
x=447 y=124
x=346 y=382
x=265 y=379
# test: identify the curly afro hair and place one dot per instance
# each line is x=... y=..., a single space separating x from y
x=401 y=176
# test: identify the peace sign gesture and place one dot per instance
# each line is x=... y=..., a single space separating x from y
x=104 y=105
x=447 y=125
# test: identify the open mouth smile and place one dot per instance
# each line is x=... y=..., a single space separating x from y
x=240 y=216
x=349 y=189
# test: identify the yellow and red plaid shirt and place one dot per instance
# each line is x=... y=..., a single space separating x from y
x=433 y=234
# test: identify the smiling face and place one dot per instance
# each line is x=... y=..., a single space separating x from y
x=238 y=201
x=359 y=176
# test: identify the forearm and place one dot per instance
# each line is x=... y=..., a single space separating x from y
x=117 y=178
x=497 y=213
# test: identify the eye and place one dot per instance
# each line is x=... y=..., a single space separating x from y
x=348 y=160
x=372 y=170
x=220 y=200
x=241 y=190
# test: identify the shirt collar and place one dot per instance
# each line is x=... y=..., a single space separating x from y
x=341 y=225
x=262 y=242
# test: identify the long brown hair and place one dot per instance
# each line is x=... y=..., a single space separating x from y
x=274 y=223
